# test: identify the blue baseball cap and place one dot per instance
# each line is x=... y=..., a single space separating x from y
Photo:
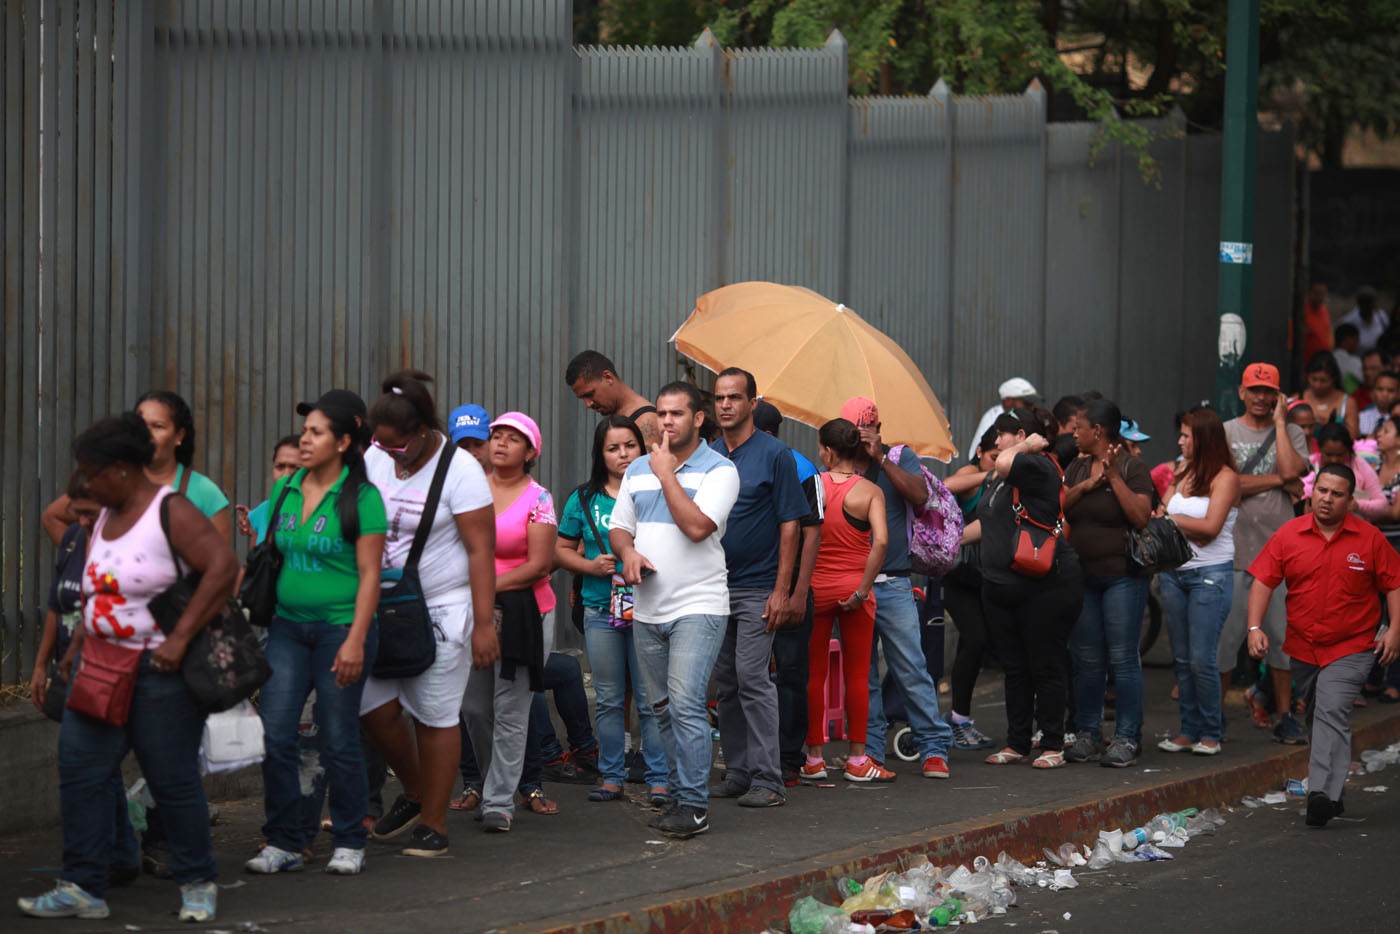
x=1129 y=429
x=469 y=421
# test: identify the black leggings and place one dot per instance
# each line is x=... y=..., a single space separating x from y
x=1029 y=625
x=965 y=604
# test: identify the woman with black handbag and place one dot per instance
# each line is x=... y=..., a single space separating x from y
x=583 y=549
x=442 y=533
x=1032 y=586
x=1204 y=501
x=329 y=531
x=128 y=693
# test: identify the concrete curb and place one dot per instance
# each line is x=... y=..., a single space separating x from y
x=763 y=899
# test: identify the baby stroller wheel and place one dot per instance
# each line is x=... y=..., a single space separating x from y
x=904 y=745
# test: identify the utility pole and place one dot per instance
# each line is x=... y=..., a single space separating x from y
x=1237 y=169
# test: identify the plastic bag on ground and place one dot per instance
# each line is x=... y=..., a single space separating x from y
x=885 y=897
x=1064 y=879
x=809 y=916
x=1149 y=852
x=1014 y=870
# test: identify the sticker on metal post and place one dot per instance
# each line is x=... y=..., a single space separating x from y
x=1241 y=253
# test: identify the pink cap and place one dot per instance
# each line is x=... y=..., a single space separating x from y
x=861 y=412
x=523 y=424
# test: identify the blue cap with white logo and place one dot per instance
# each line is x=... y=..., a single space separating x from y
x=1130 y=430
x=469 y=421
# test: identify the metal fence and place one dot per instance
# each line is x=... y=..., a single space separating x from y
x=251 y=201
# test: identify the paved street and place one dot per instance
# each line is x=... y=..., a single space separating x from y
x=1262 y=869
x=593 y=860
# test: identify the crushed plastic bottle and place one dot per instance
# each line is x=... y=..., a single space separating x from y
x=1251 y=802
x=809 y=916
x=847 y=887
x=1295 y=787
x=1378 y=759
x=1149 y=853
x=1132 y=839
x=1015 y=871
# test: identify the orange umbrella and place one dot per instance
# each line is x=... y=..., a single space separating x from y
x=809 y=354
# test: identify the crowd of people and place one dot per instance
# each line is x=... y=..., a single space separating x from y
x=707 y=560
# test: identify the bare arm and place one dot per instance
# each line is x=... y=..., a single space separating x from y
x=811 y=541
x=349 y=662
x=568 y=554
x=972 y=532
x=539 y=558
x=1137 y=507
x=56 y=519
x=1353 y=418
x=633 y=561
x=478 y=531
x=879 y=542
x=38 y=681
x=1259 y=594
x=911 y=486
x=689 y=517
x=223 y=523
x=964 y=481
x=1290 y=465
x=650 y=427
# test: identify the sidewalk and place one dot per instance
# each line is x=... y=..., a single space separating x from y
x=597 y=867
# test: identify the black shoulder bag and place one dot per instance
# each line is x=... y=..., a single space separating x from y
x=224 y=663
x=407 y=644
x=258 y=592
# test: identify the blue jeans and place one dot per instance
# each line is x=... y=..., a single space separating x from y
x=1107 y=635
x=676 y=659
x=301 y=655
x=563 y=676
x=612 y=653
x=897 y=624
x=1196 y=602
x=164 y=729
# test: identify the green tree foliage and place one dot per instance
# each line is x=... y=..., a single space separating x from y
x=1329 y=65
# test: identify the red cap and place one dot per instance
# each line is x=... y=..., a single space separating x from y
x=861 y=412
x=1260 y=374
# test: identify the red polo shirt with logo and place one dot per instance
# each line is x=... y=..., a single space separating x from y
x=1333 y=587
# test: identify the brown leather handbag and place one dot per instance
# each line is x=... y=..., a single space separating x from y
x=105 y=681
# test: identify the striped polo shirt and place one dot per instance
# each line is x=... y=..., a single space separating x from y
x=690 y=577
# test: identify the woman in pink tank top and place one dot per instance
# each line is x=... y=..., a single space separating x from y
x=497 y=703
x=130 y=563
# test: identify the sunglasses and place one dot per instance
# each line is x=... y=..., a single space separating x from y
x=388 y=450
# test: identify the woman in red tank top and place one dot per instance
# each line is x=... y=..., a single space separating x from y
x=853 y=544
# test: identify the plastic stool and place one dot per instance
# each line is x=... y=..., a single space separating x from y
x=834 y=717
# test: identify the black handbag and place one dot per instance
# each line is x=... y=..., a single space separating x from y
x=258 y=592
x=407 y=643
x=224 y=663
x=1158 y=546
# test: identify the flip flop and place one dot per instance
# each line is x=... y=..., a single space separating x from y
x=468 y=800
x=1050 y=759
x=1005 y=757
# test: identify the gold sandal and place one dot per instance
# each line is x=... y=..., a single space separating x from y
x=469 y=800
x=539 y=803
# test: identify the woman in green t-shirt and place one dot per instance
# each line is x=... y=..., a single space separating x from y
x=611 y=655
x=330 y=531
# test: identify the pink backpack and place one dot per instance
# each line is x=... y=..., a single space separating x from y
x=935 y=528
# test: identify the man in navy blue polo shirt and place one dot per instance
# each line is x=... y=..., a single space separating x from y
x=760 y=548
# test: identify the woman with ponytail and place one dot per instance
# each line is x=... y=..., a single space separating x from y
x=458 y=575
x=330 y=531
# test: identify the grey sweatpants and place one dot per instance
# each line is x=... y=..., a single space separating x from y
x=1329 y=691
x=745 y=695
x=497 y=713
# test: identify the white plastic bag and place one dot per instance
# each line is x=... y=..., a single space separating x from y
x=232 y=740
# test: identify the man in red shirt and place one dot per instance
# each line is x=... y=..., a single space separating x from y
x=1335 y=565
x=1317 y=321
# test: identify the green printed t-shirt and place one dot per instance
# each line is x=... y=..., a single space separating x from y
x=319 y=576
x=597 y=591
x=203 y=492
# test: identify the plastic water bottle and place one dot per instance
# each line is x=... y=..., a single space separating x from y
x=1161 y=827
x=1134 y=838
x=948 y=910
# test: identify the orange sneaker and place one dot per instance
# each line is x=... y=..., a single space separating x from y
x=811 y=771
x=868 y=772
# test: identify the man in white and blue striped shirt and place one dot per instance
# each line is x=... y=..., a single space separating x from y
x=665 y=530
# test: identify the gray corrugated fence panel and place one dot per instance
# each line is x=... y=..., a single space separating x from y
x=1200 y=257
x=998 y=250
x=1082 y=237
x=16 y=164
x=1150 y=275
x=645 y=123
x=900 y=170
x=787 y=152
x=1273 y=249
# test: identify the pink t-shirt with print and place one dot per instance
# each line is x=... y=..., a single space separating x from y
x=534 y=504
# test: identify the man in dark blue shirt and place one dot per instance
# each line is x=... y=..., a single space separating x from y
x=760 y=547
x=791 y=645
x=897 y=623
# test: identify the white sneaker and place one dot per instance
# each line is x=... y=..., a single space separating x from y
x=346 y=862
x=272 y=859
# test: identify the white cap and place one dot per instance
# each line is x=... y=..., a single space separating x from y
x=1016 y=388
